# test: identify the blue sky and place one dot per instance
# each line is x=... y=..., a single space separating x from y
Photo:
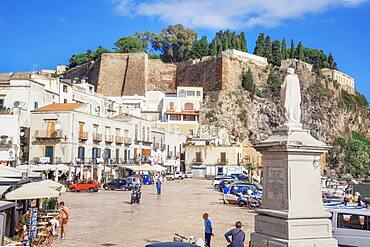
x=45 y=33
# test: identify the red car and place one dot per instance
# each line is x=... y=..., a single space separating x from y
x=89 y=185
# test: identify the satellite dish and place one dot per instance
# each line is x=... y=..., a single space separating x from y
x=16 y=103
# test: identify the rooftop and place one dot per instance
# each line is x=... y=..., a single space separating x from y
x=59 y=107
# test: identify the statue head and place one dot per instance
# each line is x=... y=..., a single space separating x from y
x=290 y=71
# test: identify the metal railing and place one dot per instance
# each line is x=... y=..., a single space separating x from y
x=109 y=138
x=46 y=134
x=197 y=161
x=97 y=137
x=120 y=139
x=127 y=140
x=83 y=136
x=222 y=161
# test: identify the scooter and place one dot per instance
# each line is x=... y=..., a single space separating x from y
x=190 y=240
x=249 y=201
x=136 y=195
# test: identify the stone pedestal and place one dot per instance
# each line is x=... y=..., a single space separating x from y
x=292 y=212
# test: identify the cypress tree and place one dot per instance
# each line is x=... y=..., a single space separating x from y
x=268 y=49
x=260 y=45
x=292 y=50
x=243 y=42
x=212 y=48
x=299 y=54
x=276 y=53
x=284 y=52
x=331 y=61
x=218 y=45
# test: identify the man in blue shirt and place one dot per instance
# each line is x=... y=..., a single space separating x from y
x=207 y=229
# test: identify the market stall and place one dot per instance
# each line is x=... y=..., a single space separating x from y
x=38 y=226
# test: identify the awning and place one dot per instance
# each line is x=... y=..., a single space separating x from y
x=146 y=167
x=159 y=168
x=44 y=167
x=3 y=188
x=32 y=191
x=50 y=184
x=5 y=205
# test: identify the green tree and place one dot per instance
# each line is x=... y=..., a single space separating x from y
x=260 y=45
x=200 y=48
x=273 y=85
x=212 y=48
x=250 y=167
x=292 y=50
x=268 y=49
x=284 y=51
x=247 y=82
x=243 y=42
x=89 y=55
x=174 y=43
x=299 y=54
x=129 y=44
x=276 y=53
x=145 y=38
x=331 y=62
x=218 y=45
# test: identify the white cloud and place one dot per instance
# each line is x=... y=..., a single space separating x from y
x=233 y=14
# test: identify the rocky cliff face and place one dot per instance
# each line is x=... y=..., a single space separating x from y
x=255 y=118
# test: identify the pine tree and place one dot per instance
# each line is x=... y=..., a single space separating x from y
x=218 y=43
x=331 y=61
x=212 y=48
x=284 y=52
x=260 y=45
x=243 y=42
x=299 y=53
x=276 y=53
x=268 y=49
x=247 y=82
x=292 y=50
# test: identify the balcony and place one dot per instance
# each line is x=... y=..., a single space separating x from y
x=97 y=137
x=120 y=139
x=163 y=147
x=109 y=138
x=222 y=161
x=197 y=161
x=83 y=136
x=127 y=141
x=147 y=142
x=48 y=135
x=156 y=146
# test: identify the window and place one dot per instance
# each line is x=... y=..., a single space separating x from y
x=96 y=153
x=143 y=134
x=353 y=221
x=65 y=89
x=223 y=157
x=118 y=132
x=35 y=105
x=1 y=104
x=198 y=157
x=96 y=128
x=190 y=132
x=81 y=153
x=147 y=133
x=117 y=155
x=171 y=106
x=198 y=93
x=175 y=117
x=136 y=132
x=189 y=118
x=126 y=133
x=49 y=153
x=189 y=106
x=182 y=93
x=65 y=101
x=190 y=93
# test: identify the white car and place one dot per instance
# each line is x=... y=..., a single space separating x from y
x=217 y=180
x=179 y=175
x=170 y=176
x=189 y=174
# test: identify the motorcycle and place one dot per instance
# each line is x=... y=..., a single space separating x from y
x=249 y=201
x=136 y=195
x=190 y=240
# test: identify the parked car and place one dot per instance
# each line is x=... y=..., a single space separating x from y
x=179 y=175
x=239 y=176
x=134 y=180
x=351 y=226
x=146 y=179
x=217 y=180
x=85 y=185
x=189 y=174
x=170 y=176
x=223 y=183
x=118 y=184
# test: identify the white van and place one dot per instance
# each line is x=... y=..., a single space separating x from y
x=351 y=226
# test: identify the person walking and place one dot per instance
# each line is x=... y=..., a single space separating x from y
x=208 y=231
x=64 y=218
x=237 y=236
x=158 y=185
x=226 y=190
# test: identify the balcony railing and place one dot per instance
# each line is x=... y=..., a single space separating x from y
x=163 y=147
x=222 y=161
x=45 y=134
x=156 y=146
x=83 y=136
x=127 y=141
x=119 y=139
x=48 y=160
x=108 y=138
x=147 y=142
x=197 y=161
x=97 y=137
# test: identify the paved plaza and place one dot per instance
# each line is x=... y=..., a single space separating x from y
x=106 y=218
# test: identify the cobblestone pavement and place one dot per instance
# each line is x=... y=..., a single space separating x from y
x=106 y=218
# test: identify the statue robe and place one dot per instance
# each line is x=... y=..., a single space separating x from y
x=291 y=101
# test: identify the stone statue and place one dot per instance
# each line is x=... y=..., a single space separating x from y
x=291 y=100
